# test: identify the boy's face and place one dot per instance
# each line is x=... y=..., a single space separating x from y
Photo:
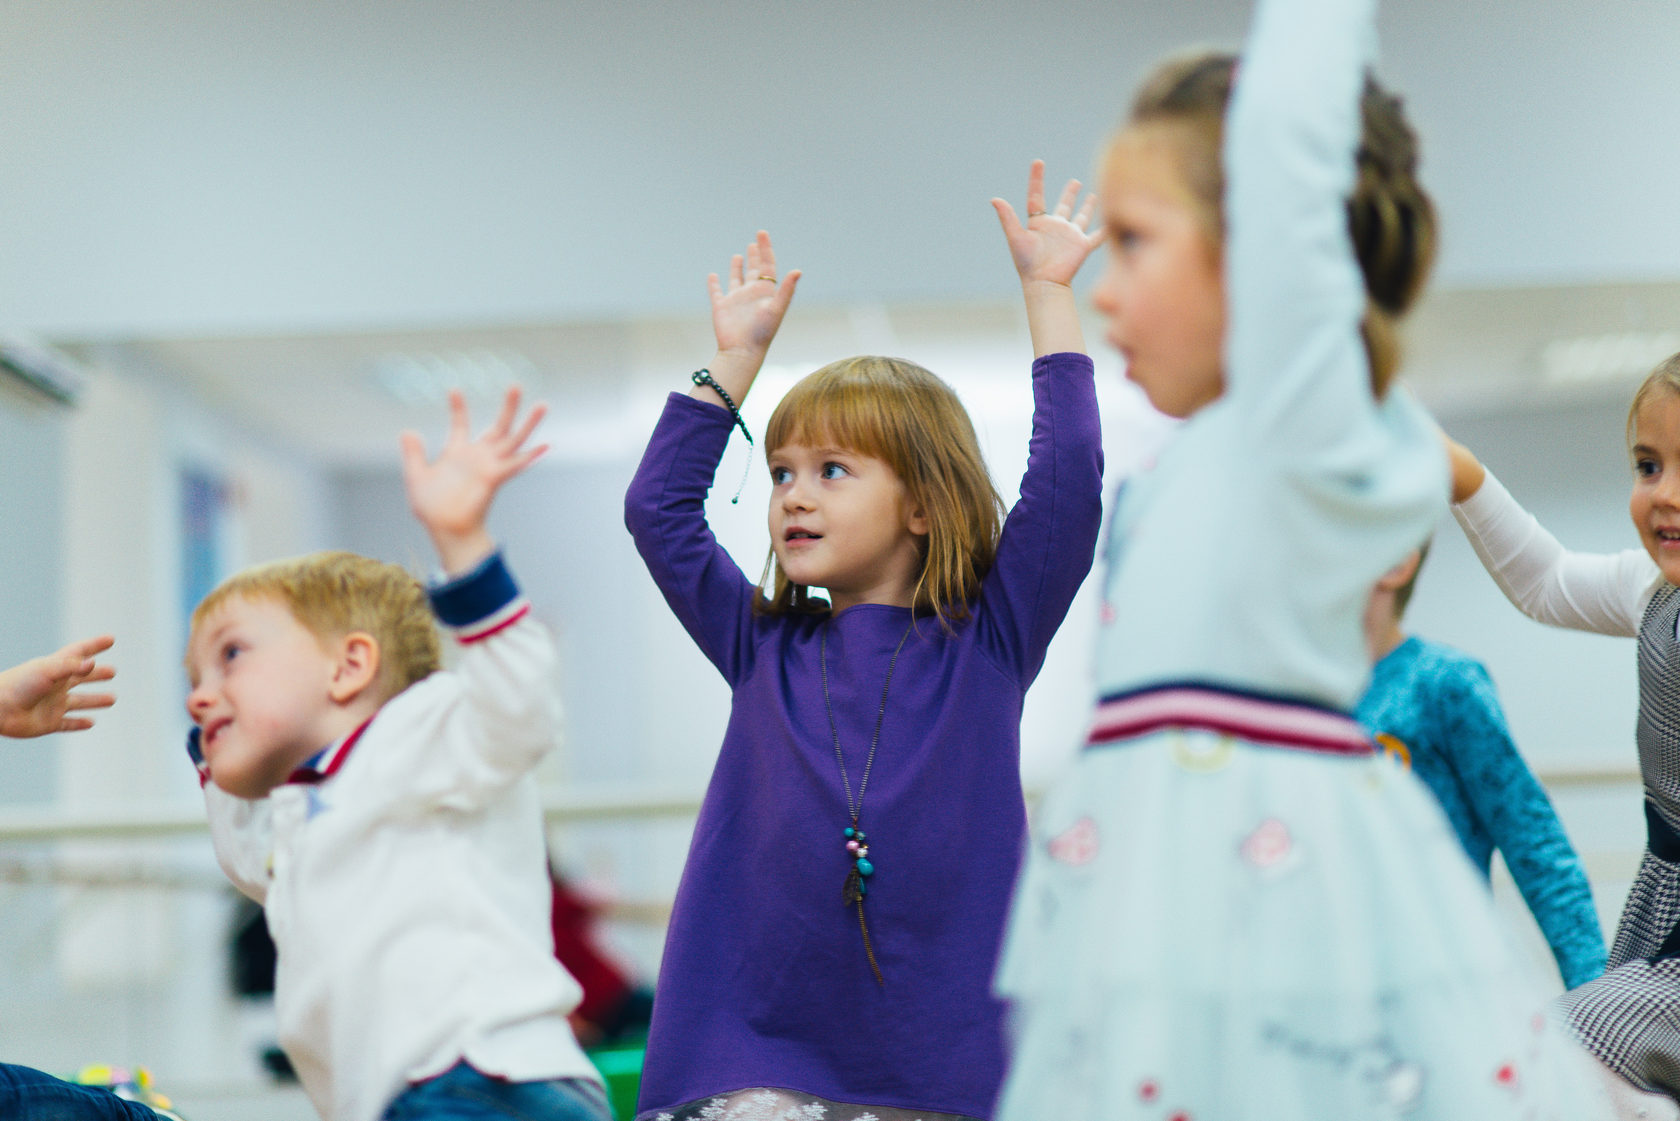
x=261 y=694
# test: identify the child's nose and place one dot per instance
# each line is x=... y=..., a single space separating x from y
x=198 y=701
x=797 y=496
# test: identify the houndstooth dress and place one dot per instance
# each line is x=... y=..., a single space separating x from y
x=1630 y=1017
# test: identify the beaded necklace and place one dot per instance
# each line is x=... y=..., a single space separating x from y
x=857 y=842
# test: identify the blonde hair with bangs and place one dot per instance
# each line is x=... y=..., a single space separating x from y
x=334 y=594
x=903 y=415
x=1665 y=377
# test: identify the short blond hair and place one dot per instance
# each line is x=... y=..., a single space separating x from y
x=333 y=594
x=1665 y=377
x=903 y=415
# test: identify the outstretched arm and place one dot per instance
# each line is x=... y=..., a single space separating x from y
x=1520 y=821
x=451 y=495
x=1604 y=593
x=746 y=314
x=38 y=696
x=1048 y=251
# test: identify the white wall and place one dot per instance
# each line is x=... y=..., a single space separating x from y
x=31 y=581
x=185 y=166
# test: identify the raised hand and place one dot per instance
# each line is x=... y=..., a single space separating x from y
x=38 y=696
x=451 y=495
x=1053 y=243
x=746 y=316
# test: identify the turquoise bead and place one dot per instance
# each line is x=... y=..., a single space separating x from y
x=865 y=868
x=863 y=887
x=850 y=832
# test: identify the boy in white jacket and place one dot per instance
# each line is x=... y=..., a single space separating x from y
x=384 y=813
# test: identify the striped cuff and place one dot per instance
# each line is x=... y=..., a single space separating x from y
x=195 y=752
x=481 y=602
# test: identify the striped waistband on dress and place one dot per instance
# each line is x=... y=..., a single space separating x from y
x=1253 y=717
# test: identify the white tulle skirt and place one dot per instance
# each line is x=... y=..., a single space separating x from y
x=1210 y=929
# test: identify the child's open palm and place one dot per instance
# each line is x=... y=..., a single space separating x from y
x=747 y=314
x=38 y=696
x=1052 y=244
x=451 y=494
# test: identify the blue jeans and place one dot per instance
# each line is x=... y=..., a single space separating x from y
x=29 y=1095
x=463 y=1094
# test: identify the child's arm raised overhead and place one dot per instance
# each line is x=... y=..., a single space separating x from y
x=1050 y=536
x=665 y=505
x=38 y=696
x=1294 y=349
x=1604 y=593
x=746 y=314
x=1048 y=251
x=451 y=495
x=509 y=715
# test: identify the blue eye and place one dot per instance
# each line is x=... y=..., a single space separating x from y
x=833 y=471
x=1644 y=468
x=779 y=475
x=229 y=652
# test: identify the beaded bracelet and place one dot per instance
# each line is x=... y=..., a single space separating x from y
x=704 y=376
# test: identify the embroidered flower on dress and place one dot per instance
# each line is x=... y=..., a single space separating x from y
x=1506 y=1075
x=1077 y=844
x=1269 y=848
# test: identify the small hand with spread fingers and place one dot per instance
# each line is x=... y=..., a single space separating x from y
x=451 y=495
x=1052 y=243
x=1048 y=251
x=746 y=314
x=39 y=696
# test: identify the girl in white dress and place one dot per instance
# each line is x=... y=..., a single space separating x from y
x=1234 y=910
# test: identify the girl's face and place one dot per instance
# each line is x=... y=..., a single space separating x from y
x=1163 y=292
x=1655 y=504
x=844 y=522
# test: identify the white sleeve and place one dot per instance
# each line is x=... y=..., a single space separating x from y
x=241 y=831
x=498 y=712
x=1295 y=356
x=1601 y=592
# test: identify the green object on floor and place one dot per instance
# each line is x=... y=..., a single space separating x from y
x=621 y=1069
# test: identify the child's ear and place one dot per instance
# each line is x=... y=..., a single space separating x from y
x=1398 y=576
x=917 y=521
x=357 y=667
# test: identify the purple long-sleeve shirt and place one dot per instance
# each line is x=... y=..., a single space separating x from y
x=764 y=980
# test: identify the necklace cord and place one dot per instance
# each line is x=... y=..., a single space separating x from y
x=854 y=808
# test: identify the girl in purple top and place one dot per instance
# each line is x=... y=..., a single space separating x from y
x=831 y=948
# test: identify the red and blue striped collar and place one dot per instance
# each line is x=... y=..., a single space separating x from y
x=326 y=762
x=1256 y=717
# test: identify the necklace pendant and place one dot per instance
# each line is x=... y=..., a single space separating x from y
x=854 y=889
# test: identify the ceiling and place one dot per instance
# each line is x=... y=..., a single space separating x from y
x=269 y=204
